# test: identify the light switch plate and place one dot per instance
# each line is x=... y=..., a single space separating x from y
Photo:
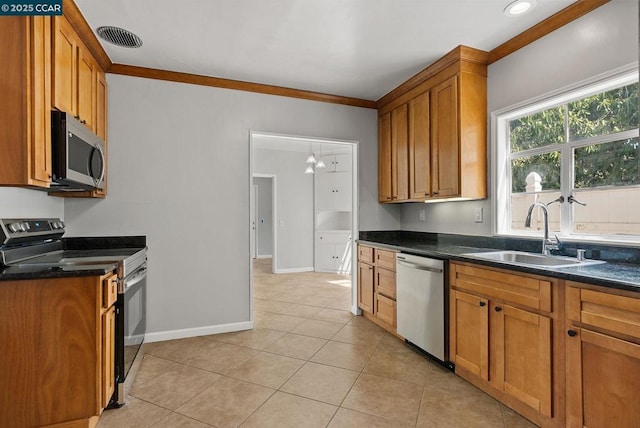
x=478 y=216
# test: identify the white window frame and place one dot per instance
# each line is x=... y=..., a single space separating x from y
x=501 y=166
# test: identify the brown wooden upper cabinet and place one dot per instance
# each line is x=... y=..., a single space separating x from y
x=25 y=136
x=76 y=76
x=432 y=134
x=79 y=87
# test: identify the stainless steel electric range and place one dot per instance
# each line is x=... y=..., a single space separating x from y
x=29 y=247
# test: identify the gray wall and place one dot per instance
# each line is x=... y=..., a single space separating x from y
x=264 y=217
x=294 y=206
x=179 y=173
x=28 y=203
x=602 y=40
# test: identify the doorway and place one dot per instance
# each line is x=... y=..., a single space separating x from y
x=300 y=215
x=263 y=218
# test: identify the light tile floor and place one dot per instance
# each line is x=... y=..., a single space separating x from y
x=308 y=363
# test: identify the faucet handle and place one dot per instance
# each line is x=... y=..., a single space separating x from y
x=553 y=243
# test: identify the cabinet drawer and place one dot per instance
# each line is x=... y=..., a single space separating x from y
x=619 y=314
x=333 y=238
x=386 y=309
x=520 y=289
x=109 y=291
x=386 y=282
x=365 y=254
x=386 y=259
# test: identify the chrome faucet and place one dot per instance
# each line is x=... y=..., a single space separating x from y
x=547 y=243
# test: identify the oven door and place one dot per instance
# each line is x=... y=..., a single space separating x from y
x=131 y=320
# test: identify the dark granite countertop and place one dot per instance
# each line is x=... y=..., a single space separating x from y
x=625 y=276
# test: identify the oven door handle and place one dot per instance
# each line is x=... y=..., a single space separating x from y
x=135 y=278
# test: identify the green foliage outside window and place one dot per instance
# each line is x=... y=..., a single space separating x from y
x=611 y=163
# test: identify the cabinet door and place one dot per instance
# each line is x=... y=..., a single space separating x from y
x=342 y=163
x=64 y=66
x=326 y=257
x=108 y=355
x=40 y=133
x=365 y=287
x=384 y=158
x=86 y=81
x=101 y=106
x=342 y=191
x=603 y=380
x=419 y=148
x=521 y=355
x=445 y=156
x=469 y=333
x=325 y=191
x=400 y=153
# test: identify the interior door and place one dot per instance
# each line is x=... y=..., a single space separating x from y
x=254 y=230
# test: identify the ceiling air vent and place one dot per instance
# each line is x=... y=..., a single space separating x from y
x=119 y=37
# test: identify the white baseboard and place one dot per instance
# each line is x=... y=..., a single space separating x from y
x=264 y=256
x=294 y=270
x=197 y=331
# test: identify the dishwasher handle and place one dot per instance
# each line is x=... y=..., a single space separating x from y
x=421 y=267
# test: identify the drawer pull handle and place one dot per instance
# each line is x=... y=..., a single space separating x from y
x=498 y=309
x=482 y=303
x=572 y=333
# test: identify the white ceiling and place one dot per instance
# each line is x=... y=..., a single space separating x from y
x=355 y=48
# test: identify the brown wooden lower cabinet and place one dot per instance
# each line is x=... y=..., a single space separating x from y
x=56 y=364
x=502 y=342
x=603 y=357
x=560 y=353
x=377 y=286
x=366 y=294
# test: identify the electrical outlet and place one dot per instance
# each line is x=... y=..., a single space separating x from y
x=423 y=216
x=478 y=216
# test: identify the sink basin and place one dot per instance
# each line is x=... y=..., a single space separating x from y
x=532 y=259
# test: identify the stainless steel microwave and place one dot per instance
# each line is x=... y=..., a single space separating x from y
x=77 y=155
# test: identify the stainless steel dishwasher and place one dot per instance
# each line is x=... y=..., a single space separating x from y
x=420 y=303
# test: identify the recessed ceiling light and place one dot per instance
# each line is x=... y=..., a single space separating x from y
x=519 y=7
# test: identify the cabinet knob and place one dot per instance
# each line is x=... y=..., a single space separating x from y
x=83 y=122
x=77 y=116
x=498 y=309
x=435 y=193
x=388 y=198
x=427 y=194
x=370 y=267
x=482 y=303
x=572 y=333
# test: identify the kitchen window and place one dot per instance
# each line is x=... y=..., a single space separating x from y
x=577 y=151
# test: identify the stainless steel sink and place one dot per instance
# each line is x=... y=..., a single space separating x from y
x=531 y=259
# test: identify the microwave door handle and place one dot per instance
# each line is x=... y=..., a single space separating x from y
x=104 y=164
x=90 y=171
